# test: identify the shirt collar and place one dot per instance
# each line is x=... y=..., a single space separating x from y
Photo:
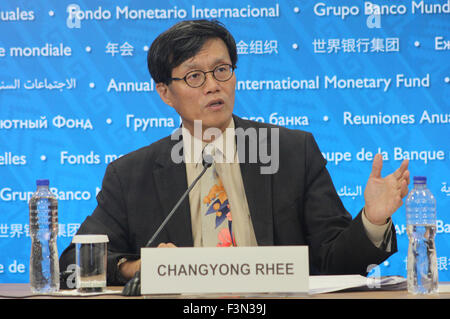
x=223 y=148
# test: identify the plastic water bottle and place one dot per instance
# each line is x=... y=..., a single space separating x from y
x=44 y=265
x=422 y=273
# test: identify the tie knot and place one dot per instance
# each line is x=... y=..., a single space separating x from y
x=208 y=155
x=209 y=149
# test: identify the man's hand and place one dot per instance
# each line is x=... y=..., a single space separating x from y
x=383 y=196
x=129 y=268
x=166 y=245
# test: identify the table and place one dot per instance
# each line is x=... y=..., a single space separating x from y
x=23 y=290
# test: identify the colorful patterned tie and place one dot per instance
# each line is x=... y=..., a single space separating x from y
x=217 y=223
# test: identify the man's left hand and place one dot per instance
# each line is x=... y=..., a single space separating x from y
x=383 y=196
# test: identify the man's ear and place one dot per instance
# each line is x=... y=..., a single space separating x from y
x=164 y=93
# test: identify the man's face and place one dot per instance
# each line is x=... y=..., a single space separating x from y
x=213 y=102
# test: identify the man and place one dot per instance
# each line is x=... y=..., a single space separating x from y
x=296 y=204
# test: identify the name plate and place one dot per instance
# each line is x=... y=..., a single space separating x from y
x=224 y=270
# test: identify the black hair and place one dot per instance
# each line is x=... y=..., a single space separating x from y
x=183 y=41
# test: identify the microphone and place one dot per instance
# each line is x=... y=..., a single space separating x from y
x=133 y=286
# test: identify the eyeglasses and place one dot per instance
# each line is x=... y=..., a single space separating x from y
x=195 y=79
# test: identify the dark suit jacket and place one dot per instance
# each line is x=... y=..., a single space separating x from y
x=298 y=205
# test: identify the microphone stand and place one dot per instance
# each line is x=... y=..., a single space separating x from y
x=133 y=286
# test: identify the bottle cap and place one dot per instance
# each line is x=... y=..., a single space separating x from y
x=420 y=179
x=90 y=239
x=42 y=182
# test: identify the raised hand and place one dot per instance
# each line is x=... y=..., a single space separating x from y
x=383 y=196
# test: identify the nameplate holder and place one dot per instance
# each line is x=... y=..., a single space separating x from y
x=275 y=269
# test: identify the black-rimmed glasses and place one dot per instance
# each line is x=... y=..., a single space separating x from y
x=196 y=78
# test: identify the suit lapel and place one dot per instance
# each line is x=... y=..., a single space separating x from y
x=258 y=187
x=172 y=183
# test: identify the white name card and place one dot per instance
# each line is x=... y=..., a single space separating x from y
x=224 y=270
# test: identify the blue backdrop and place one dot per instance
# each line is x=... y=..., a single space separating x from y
x=75 y=94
